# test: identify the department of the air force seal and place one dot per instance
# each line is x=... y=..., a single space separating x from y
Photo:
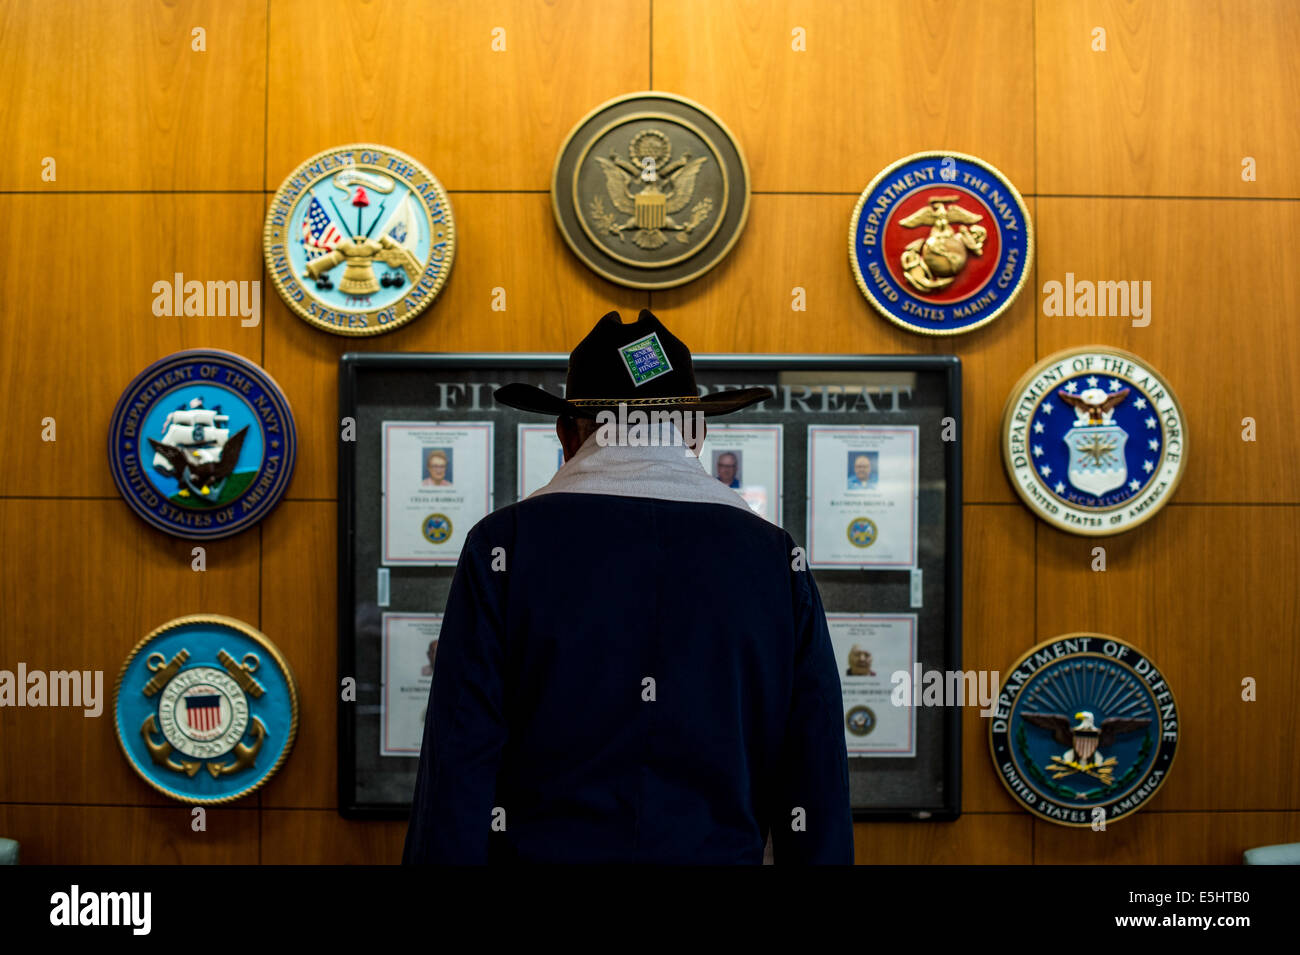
x=940 y=243
x=206 y=709
x=1085 y=729
x=650 y=190
x=1093 y=440
x=359 y=239
x=202 y=444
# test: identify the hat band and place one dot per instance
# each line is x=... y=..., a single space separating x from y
x=684 y=399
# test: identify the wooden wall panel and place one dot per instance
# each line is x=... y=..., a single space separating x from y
x=1182 y=94
x=875 y=81
x=299 y=595
x=1209 y=593
x=991 y=839
x=115 y=94
x=1161 y=838
x=1222 y=330
x=114 y=835
x=1130 y=161
x=998 y=625
x=424 y=78
x=322 y=837
x=72 y=338
x=81 y=582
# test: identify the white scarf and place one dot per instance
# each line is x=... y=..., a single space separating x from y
x=667 y=471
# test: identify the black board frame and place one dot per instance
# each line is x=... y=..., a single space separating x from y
x=354 y=364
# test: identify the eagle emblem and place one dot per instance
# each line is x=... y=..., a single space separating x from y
x=197 y=451
x=1093 y=406
x=1086 y=742
x=648 y=188
x=933 y=262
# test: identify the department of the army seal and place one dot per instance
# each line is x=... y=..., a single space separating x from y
x=1094 y=440
x=940 y=243
x=1084 y=731
x=862 y=532
x=359 y=239
x=436 y=528
x=202 y=444
x=206 y=709
x=650 y=190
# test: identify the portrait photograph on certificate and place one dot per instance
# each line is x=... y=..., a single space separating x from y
x=869 y=649
x=437 y=484
x=540 y=456
x=410 y=648
x=862 y=496
x=747 y=458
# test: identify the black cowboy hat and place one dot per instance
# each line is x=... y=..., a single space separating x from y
x=641 y=364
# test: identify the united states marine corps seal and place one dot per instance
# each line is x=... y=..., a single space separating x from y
x=1084 y=731
x=359 y=239
x=1093 y=440
x=940 y=243
x=650 y=190
x=202 y=444
x=206 y=709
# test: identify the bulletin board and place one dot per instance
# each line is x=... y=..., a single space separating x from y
x=421 y=428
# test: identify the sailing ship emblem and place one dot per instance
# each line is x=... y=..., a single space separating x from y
x=197 y=450
x=202 y=444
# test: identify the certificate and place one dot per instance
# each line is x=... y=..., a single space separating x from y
x=540 y=456
x=862 y=496
x=748 y=458
x=410 y=646
x=437 y=485
x=869 y=649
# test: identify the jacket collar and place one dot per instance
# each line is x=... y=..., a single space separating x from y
x=668 y=471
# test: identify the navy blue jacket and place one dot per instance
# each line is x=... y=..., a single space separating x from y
x=645 y=681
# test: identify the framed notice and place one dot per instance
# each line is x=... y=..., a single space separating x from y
x=870 y=648
x=410 y=650
x=862 y=496
x=849 y=457
x=437 y=485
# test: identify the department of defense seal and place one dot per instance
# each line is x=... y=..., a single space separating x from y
x=940 y=243
x=202 y=444
x=1084 y=731
x=359 y=239
x=1093 y=440
x=650 y=190
x=206 y=709
x=860 y=720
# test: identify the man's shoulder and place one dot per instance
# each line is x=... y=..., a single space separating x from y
x=569 y=506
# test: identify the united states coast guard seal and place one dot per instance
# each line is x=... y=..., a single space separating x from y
x=202 y=444
x=1085 y=730
x=940 y=243
x=359 y=239
x=1093 y=440
x=206 y=709
x=650 y=190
